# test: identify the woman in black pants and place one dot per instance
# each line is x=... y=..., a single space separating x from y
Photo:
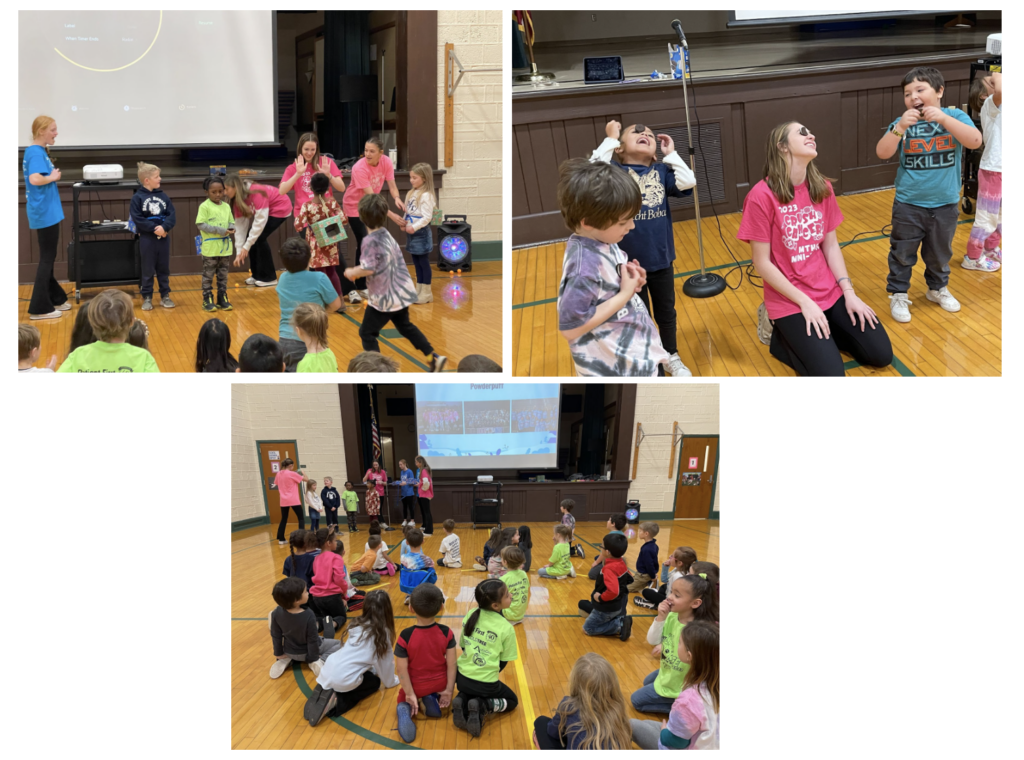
x=288 y=485
x=258 y=210
x=42 y=206
x=426 y=493
x=790 y=220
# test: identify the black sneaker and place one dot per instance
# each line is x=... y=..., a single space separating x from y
x=208 y=302
x=458 y=716
x=639 y=601
x=437 y=363
x=627 y=627
x=147 y=303
x=319 y=704
x=328 y=628
x=223 y=303
x=475 y=721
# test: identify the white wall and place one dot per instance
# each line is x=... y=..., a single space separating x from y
x=658 y=405
x=309 y=414
x=473 y=185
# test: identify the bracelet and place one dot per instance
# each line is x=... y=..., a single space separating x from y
x=844 y=278
x=896 y=132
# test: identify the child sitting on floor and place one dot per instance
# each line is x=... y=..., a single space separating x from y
x=526 y=544
x=509 y=537
x=559 y=565
x=330 y=582
x=605 y=610
x=417 y=567
x=450 y=546
x=260 y=353
x=518 y=583
x=310 y=322
x=647 y=562
x=362 y=569
x=615 y=524
x=492 y=541
x=593 y=716
x=293 y=630
x=425 y=658
x=676 y=566
x=381 y=565
x=28 y=351
x=111 y=316
x=301 y=553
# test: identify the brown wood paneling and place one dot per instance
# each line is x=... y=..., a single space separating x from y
x=416 y=87
x=545 y=164
x=520 y=202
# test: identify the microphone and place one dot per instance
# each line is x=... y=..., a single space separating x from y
x=679 y=30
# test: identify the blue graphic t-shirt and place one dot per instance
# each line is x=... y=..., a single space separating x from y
x=627 y=345
x=929 y=171
x=42 y=204
x=650 y=242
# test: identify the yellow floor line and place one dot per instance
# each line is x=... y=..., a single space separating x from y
x=524 y=687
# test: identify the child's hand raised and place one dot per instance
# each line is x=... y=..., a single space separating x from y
x=909 y=119
x=613 y=129
x=667 y=144
x=931 y=113
x=663 y=609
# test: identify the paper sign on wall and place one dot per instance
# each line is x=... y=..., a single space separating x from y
x=693 y=463
x=274 y=455
x=274 y=466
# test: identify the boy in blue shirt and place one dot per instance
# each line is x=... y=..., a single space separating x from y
x=299 y=285
x=928 y=138
x=651 y=242
x=647 y=562
x=153 y=215
x=332 y=501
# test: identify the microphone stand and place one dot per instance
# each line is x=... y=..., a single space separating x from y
x=706 y=284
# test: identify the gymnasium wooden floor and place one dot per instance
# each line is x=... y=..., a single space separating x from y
x=718 y=336
x=464 y=319
x=267 y=713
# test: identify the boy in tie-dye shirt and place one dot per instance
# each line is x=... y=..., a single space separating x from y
x=390 y=288
x=609 y=330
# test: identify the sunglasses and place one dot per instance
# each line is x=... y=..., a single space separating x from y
x=804 y=131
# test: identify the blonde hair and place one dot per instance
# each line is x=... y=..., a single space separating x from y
x=596 y=700
x=776 y=169
x=111 y=315
x=242 y=193
x=28 y=341
x=312 y=320
x=426 y=172
x=371 y=361
x=40 y=123
x=147 y=170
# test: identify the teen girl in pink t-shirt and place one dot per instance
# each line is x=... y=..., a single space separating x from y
x=790 y=220
x=258 y=210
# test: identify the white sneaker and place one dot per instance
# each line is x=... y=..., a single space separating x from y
x=944 y=299
x=983 y=264
x=250 y=280
x=316 y=666
x=279 y=667
x=66 y=306
x=764 y=325
x=676 y=368
x=354 y=297
x=261 y=284
x=899 y=307
x=572 y=571
x=55 y=314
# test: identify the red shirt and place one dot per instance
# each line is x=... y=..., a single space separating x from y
x=795 y=231
x=288 y=486
x=426 y=649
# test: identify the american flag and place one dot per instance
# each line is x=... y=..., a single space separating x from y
x=525 y=26
x=373 y=427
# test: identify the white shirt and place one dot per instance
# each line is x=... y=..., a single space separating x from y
x=992 y=128
x=344 y=669
x=450 y=550
x=314 y=503
x=382 y=555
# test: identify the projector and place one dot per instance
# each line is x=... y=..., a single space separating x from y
x=484 y=478
x=994 y=46
x=102 y=173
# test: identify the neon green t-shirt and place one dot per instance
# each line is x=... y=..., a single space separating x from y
x=672 y=671
x=351 y=499
x=216 y=215
x=560 y=562
x=109 y=357
x=325 y=361
x=518 y=583
x=493 y=641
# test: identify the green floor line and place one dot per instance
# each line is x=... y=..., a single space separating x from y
x=255 y=545
x=902 y=368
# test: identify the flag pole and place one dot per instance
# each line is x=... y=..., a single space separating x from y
x=526 y=24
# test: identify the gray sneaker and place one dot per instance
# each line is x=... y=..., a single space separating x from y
x=764 y=325
x=166 y=302
x=147 y=303
x=899 y=307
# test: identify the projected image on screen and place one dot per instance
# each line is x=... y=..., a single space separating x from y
x=148 y=77
x=440 y=417
x=486 y=436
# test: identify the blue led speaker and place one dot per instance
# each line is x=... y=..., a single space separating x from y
x=633 y=512
x=455 y=244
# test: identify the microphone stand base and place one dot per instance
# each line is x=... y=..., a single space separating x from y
x=704 y=285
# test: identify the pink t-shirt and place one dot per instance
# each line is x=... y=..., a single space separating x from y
x=426 y=487
x=379 y=478
x=364 y=175
x=280 y=205
x=301 y=189
x=288 y=486
x=795 y=231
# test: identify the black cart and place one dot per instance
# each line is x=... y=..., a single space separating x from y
x=101 y=263
x=486 y=508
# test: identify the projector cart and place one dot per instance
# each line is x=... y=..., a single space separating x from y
x=486 y=508
x=105 y=262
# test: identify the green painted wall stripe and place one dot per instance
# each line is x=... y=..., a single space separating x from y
x=487 y=250
x=251 y=522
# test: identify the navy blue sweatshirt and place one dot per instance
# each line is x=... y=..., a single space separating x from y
x=651 y=242
x=303 y=567
x=331 y=498
x=150 y=209
x=647 y=562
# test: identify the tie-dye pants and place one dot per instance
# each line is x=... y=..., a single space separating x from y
x=987 y=232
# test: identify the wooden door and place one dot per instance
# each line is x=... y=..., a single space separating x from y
x=695 y=478
x=271 y=454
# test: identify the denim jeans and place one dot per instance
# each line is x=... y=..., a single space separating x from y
x=600 y=623
x=646 y=699
x=543 y=573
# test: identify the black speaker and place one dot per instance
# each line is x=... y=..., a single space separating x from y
x=454 y=244
x=108 y=260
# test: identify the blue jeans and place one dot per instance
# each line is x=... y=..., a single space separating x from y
x=314 y=522
x=646 y=699
x=543 y=573
x=603 y=623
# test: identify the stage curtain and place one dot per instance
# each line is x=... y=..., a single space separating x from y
x=346 y=126
x=592 y=450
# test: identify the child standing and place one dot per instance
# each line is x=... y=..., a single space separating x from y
x=216 y=228
x=593 y=716
x=509 y=537
x=651 y=242
x=420 y=203
x=111 y=316
x=647 y=562
x=362 y=569
x=690 y=598
x=351 y=499
x=566 y=508
x=693 y=719
x=605 y=609
x=330 y=582
x=389 y=286
x=417 y=567
x=321 y=206
x=153 y=215
x=425 y=659
x=298 y=286
x=928 y=139
x=310 y=322
x=331 y=500
x=526 y=545
x=518 y=583
x=425 y=492
x=559 y=565
x=983 y=249
x=313 y=505
x=676 y=566
x=488 y=644
x=450 y=546
x=361 y=666
x=293 y=630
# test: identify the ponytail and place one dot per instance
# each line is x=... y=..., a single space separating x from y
x=704 y=590
x=487 y=594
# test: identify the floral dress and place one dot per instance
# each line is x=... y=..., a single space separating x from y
x=373 y=492
x=316 y=211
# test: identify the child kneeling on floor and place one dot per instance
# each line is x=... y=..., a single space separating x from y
x=605 y=610
x=359 y=668
x=518 y=583
x=425 y=657
x=293 y=629
x=488 y=644
x=593 y=716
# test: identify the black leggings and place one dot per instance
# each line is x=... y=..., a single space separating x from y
x=422 y=262
x=46 y=291
x=660 y=288
x=261 y=258
x=359 y=231
x=409 y=508
x=349 y=699
x=655 y=597
x=428 y=519
x=812 y=356
x=540 y=727
x=374 y=321
x=469 y=688
x=284 y=520
x=333 y=605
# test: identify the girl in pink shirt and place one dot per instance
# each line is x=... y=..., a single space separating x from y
x=790 y=220
x=330 y=588
x=368 y=176
x=259 y=210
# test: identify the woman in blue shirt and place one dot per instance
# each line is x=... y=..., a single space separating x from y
x=407 y=491
x=44 y=215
